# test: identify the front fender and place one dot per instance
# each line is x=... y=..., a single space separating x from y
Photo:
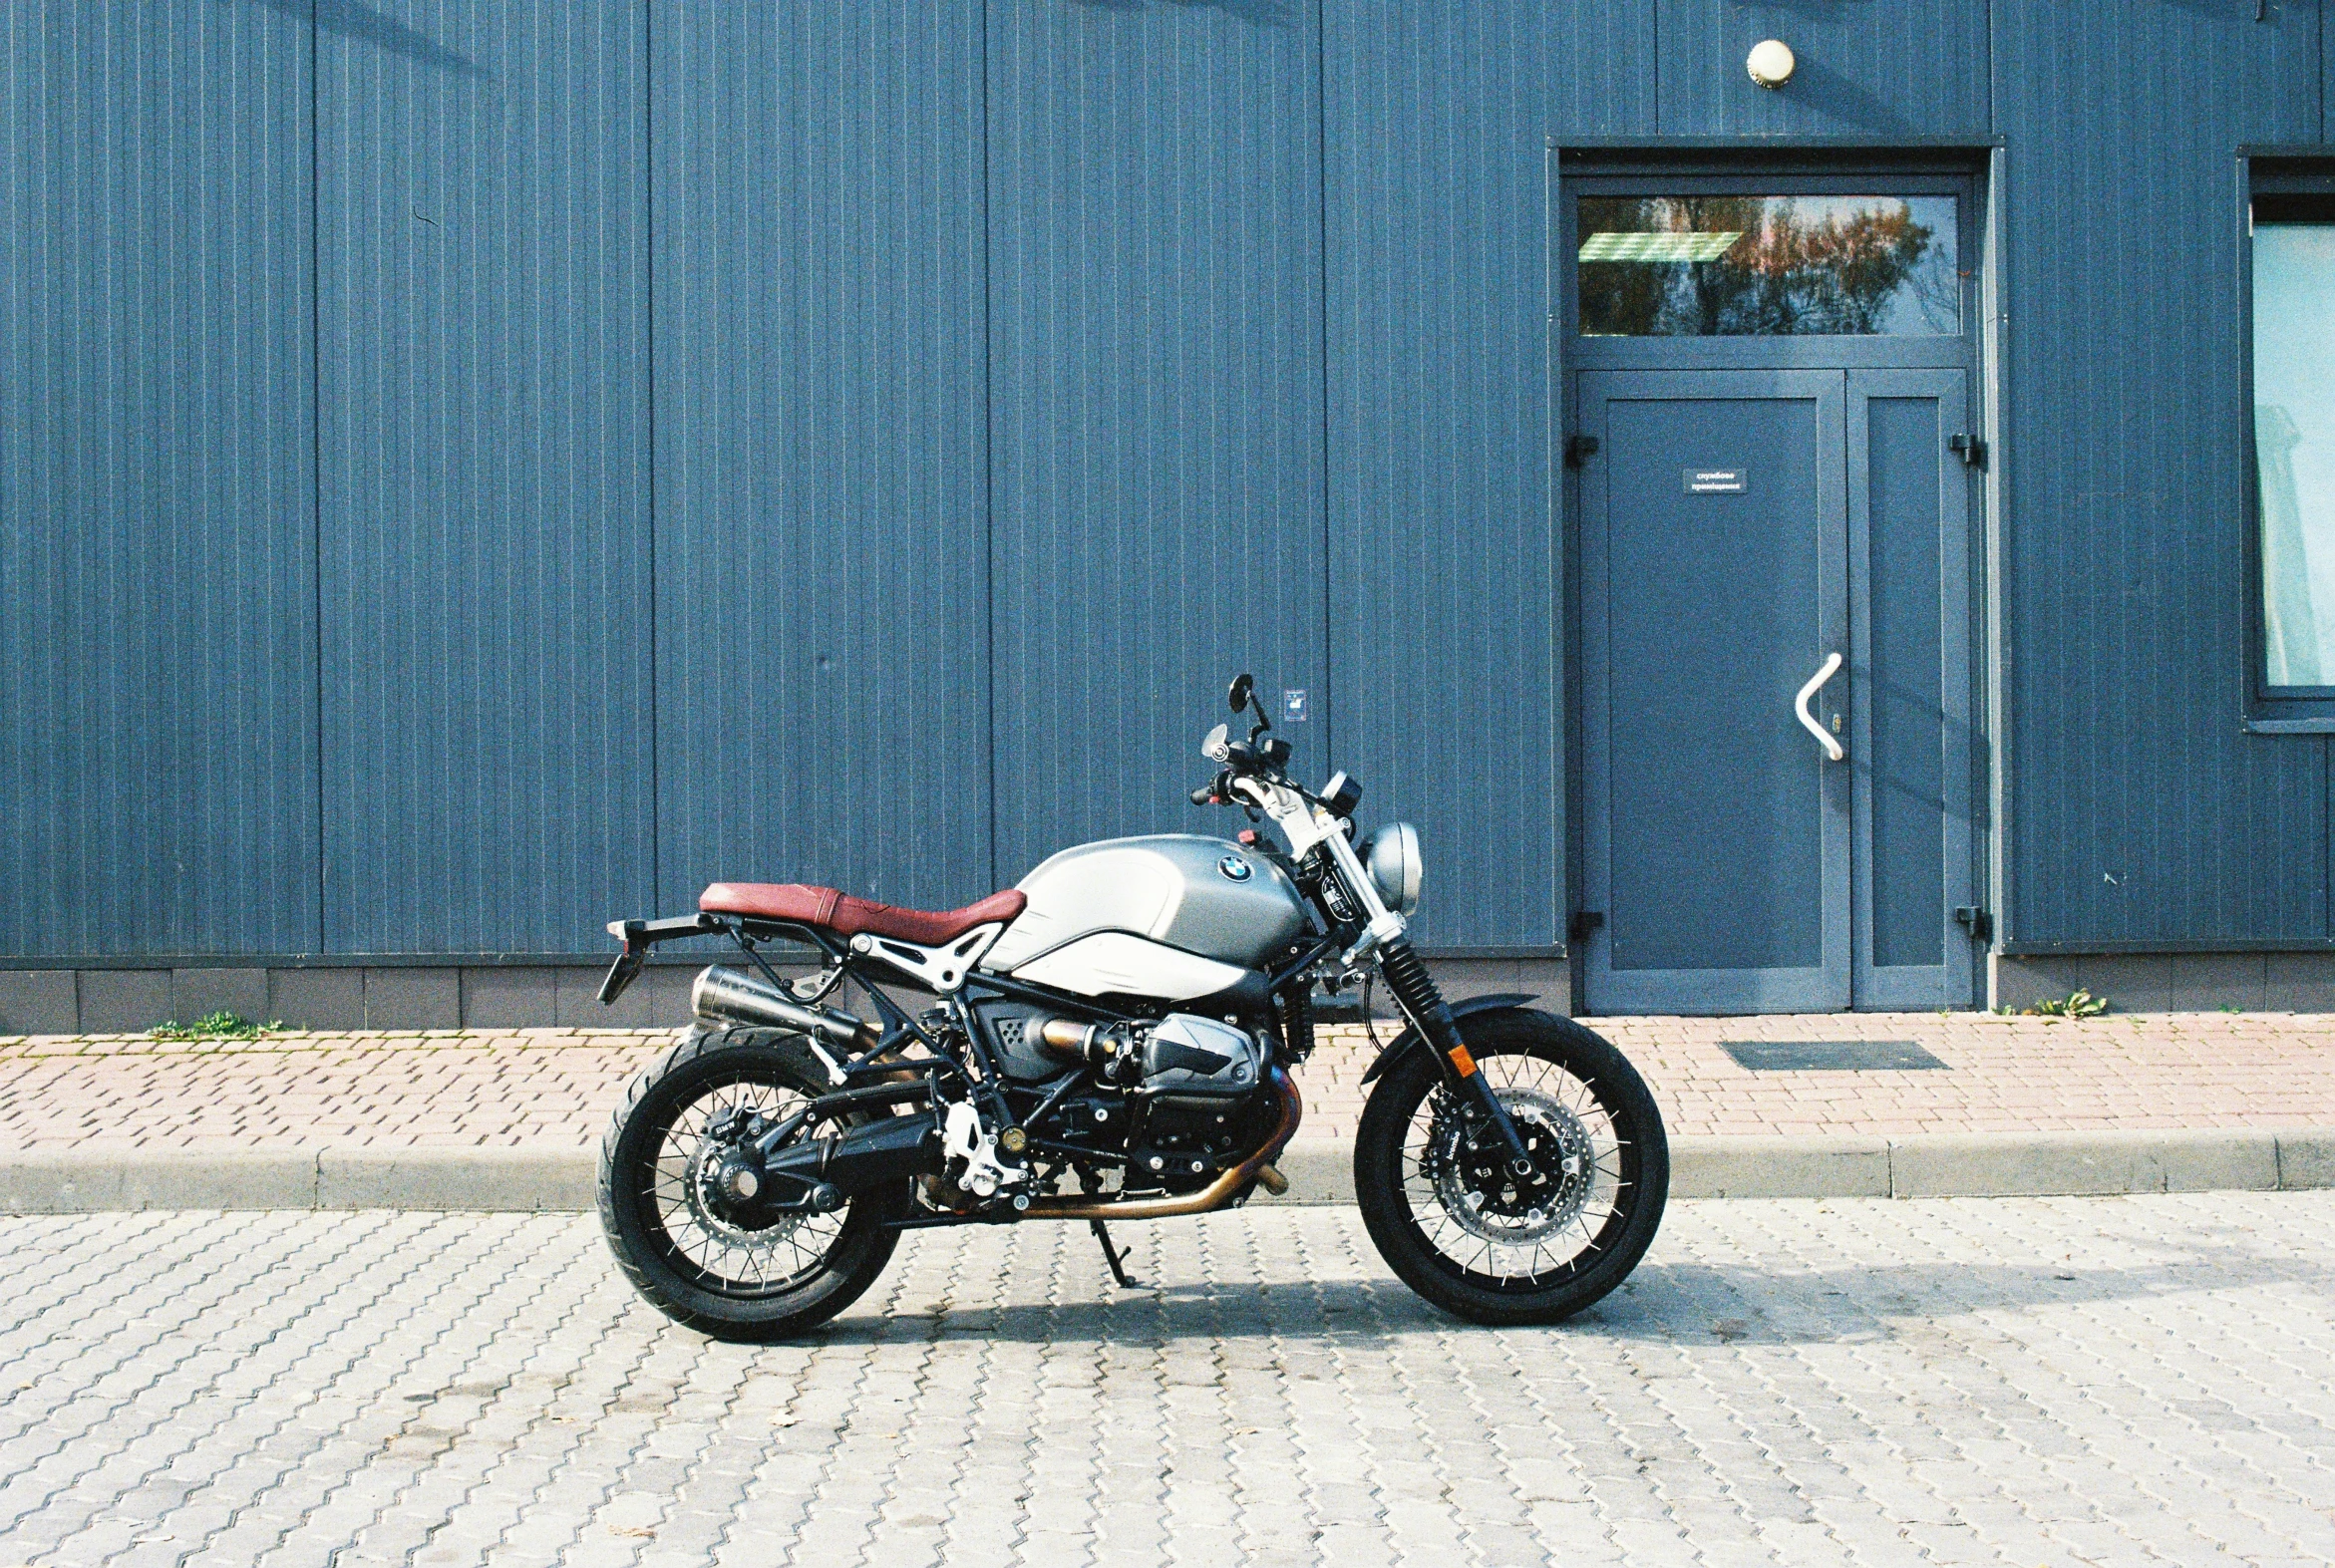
x=1409 y=1040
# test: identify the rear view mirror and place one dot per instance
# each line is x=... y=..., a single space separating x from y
x=1243 y=687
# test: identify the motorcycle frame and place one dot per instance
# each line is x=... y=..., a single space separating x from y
x=1371 y=929
x=873 y=1076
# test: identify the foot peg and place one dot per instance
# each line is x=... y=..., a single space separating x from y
x=1271 y=1181
x=1115 y=1256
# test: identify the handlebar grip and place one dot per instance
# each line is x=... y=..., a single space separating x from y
x=1206 y=794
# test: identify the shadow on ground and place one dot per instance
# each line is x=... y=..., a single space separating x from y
x=1664 y=1303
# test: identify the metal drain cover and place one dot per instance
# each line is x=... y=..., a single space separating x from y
x=1831 y=1056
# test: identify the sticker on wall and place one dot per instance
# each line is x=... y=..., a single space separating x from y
x=1715 y=481
x=1293 y=707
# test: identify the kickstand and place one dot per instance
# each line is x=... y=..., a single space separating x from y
x=1115 y=1256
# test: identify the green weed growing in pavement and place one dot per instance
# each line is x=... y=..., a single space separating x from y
x=2076 y=1004
x=222 y=1025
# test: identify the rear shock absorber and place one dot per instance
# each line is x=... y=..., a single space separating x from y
x=1423 y=1003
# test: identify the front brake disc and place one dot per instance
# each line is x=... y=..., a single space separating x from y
x=1475 y=1187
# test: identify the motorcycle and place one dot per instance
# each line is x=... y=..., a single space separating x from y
x=1112 y=1040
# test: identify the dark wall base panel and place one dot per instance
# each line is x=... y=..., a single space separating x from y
x=410 y=997
x=2259 y=982
x=389 y=997
x=464 y=996
x=1547 y=980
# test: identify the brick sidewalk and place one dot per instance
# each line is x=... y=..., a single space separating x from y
x=555 y=1087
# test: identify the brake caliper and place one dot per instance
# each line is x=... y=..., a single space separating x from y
x=725 y=1177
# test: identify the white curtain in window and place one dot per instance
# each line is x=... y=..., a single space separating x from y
x=2294 y=447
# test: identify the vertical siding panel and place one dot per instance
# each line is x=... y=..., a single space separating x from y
x=1154 y=219
x=157 y=614
x=1908 y=68
x=821 y=543
x=485 y=516
x=1599 y=62
x=1444 y=556
x=2141 y=811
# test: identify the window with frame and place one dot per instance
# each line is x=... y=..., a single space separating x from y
x=2292 y=284
x=1746 y=265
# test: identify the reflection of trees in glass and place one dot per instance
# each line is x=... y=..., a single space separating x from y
x=2290 y=628
x=1833 y=266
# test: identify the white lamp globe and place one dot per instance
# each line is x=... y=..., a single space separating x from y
x=1770 y=62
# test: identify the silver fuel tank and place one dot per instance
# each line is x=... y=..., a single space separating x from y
x=1167 y=915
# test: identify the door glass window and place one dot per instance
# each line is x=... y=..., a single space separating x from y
x=1768 y=266
x=2294 y=435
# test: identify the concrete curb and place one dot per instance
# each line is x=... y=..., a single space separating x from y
x=489 y=1180
x=1942 y=1165
x=1320 y=1171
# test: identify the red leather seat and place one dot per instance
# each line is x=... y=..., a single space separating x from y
x=801 y=904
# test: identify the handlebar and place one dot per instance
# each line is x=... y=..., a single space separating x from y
x=1241 y=760
x=1216 y=793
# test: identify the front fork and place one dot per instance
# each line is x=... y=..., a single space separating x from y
x=1309 y=827
x=1421 y=999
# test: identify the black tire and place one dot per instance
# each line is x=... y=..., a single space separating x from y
x=643 y=1197
x=1406 y=1159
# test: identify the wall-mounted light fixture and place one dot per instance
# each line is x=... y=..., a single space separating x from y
x=1770 y=62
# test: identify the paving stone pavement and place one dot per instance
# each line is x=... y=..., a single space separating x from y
x=555 y=1087
x=2011 y=1381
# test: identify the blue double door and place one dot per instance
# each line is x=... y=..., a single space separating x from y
x=1775 y=695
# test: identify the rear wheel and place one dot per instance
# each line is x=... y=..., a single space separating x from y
x=1475 y=1238
x=692 y=1253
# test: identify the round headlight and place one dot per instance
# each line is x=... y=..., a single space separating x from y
x=1389 y=852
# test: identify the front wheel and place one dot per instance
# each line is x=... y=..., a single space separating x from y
x=1474 y=1237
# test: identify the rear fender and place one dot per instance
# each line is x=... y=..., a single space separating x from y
x=638 y=936
x=1409 y=1040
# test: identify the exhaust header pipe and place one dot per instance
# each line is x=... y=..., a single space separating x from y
x=726 y=993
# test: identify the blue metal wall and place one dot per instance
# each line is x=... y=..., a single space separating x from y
x=468 y=468
x=483 y=473
x=2141 y=813
x=1156 y=421
x=1443 y=555
x=1883 y=72
x=822 y=638
x=158 y=613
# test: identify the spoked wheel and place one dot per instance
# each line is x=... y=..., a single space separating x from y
x=702 y=1256
x=1487 y=1243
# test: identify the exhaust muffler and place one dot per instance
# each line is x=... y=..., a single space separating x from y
x=724 y=993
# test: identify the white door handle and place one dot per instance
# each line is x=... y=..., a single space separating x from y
x=1834 y=751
